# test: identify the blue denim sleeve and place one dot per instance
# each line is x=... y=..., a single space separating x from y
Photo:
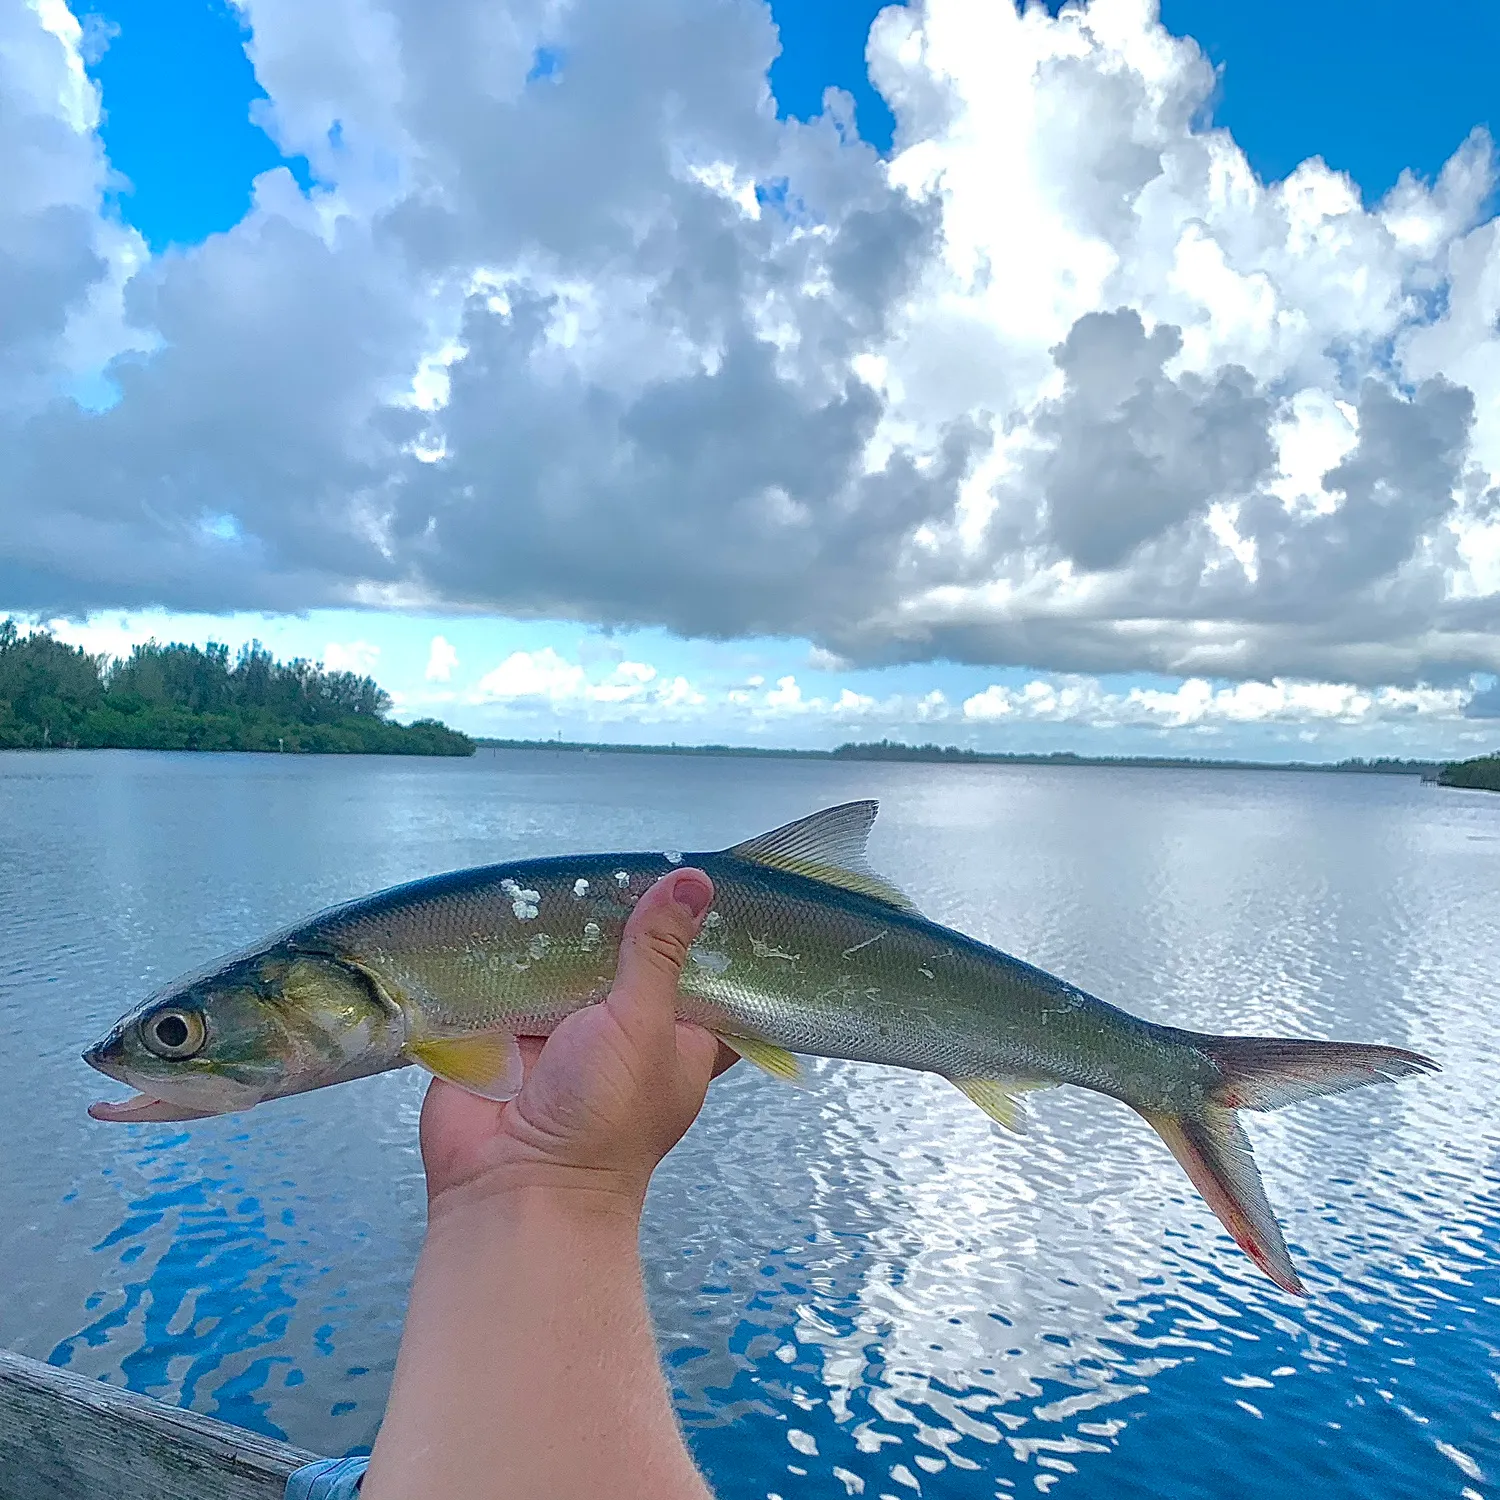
x=328 y=1479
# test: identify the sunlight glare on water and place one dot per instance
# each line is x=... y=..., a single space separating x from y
x=862 y=1286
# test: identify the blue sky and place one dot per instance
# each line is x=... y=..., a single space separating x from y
x=1371 y=88
x=1355 y=81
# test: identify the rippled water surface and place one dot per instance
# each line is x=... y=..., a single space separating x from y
x=863 y=1286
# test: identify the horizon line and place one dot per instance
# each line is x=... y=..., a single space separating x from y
x=933 y=754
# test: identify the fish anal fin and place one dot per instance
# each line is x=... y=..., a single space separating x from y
x=487 y=1063
x=1214 y=1151
x=828 y=846
x=767 y=1056
x=1000 y=1098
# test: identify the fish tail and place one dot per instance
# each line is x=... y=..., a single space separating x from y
x=1215 y=1153
x=1268 y=1072
x=1263 y=1073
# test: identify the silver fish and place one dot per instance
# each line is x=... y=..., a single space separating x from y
x=806 y=950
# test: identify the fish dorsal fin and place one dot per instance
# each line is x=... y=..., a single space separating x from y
x=827 y=846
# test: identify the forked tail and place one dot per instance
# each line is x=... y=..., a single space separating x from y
x=1264 y=1073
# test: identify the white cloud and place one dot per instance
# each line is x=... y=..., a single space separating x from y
x=786 y=696
x=820 y=659
x=1082 y=400
x=102 y=635
x=635 y=694
x=532 y=674
x=359 y=657
x=628 y=689
x=627 y=681
x=1083 y=701
x=679 y=694
x=442 y=658
x=65 y=260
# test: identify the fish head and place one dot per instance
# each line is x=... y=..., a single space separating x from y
x=263 y=1025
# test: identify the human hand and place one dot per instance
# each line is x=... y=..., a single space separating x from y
x=528 y=1306
x=608 y=1094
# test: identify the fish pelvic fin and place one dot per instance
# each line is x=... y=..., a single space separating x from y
x=827 y=846
x=487 y=1064
x=1214 y=1151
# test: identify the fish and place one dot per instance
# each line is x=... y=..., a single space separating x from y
x=806 y=951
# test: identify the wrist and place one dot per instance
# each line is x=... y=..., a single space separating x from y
x=550 y=1197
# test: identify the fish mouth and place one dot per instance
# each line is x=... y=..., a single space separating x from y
x=108 y=1057
x=143 y=1108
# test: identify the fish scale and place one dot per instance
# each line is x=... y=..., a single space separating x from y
x=805 y=951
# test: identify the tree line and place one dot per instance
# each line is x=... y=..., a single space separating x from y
x=895 y=750
x=178 y=697
x=1481 y=774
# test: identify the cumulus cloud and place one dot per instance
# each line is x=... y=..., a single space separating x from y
x=607 y=341
x=1198 y=703
x=351 y=656
x=1131 y=453
x=442 y=658
x=545 y=678
x=545 y=686
x=785 y=700
x=63 y=262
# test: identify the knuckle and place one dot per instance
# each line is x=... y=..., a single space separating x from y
x=663 y=947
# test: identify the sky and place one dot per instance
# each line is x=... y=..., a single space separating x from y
x=1095 y=377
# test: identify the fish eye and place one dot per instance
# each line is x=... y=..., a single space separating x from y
x=174 y=1035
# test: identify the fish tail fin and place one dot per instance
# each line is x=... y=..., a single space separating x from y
x=1215 y=1153
x=1268 y=1072
x=1264 y=1073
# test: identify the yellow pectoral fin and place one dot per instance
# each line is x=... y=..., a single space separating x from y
x=776 y=1061
x=998 y=1098
x=487 y=1064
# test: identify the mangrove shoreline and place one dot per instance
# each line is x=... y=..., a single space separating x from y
x=176 y=697
x=890 y=750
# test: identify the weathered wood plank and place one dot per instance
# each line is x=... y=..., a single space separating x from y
x=63 y=1437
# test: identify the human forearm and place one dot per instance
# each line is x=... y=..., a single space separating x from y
x=528 y=1366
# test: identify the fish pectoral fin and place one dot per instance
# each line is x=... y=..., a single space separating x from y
x=488 y=1063
x=767 y=1056
x=1000 y=1098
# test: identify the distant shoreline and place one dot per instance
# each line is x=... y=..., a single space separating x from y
x=885 y=750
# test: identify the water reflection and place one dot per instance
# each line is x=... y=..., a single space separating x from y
x=862 y=1287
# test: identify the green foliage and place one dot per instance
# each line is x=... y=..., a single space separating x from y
x=47 y=690
x=1482 y=773
x=180 y=697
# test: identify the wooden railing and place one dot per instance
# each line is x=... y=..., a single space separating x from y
x=63 y=1437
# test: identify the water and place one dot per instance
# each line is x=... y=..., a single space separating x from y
x=861 y=1287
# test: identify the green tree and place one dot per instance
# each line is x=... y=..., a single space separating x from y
x=47 y=688
x=181 y=697
x=1482 y=773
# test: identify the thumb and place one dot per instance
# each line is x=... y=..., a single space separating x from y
x=653 y=949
